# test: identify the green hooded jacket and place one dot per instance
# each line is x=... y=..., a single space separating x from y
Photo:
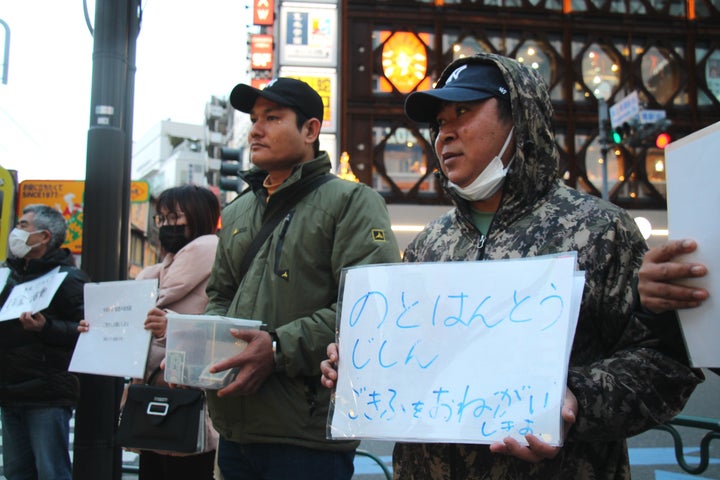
x=292 y=286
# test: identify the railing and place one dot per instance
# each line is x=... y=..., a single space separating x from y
x=710 y=424
x=376 y=459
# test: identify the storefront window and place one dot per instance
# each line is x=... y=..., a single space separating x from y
x=660 y=74
x=404 y=61
x=594 y=169
x=404 y=160
x=469 y=46
x=712 y=73
x=533 y=55
x=600 y=70
x=403 y=56
x=655 y=168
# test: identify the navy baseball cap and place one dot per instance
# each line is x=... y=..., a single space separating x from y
x=468 y=82
x=288 y=92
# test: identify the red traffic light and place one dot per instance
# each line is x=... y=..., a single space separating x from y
x=662 y=140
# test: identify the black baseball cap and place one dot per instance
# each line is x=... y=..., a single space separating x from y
x=289 y=92
x=467 y=82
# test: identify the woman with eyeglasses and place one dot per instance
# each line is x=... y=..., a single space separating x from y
x=187 y=219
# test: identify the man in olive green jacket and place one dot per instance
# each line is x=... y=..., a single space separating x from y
x=272 y=417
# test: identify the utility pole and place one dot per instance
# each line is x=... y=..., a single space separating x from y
x=106 y=217
x=603 y=124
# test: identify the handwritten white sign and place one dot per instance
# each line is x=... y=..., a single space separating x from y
x=467 y=352
x=32 y=296
x=116 y=343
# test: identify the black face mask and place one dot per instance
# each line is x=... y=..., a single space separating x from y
x=172 y=238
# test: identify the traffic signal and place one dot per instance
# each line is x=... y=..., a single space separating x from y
x=622 y=133
x=662 y=140
x=642 y=135
x=230 y=168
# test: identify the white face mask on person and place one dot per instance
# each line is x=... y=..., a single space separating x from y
x=17 y=242
x=490 y=179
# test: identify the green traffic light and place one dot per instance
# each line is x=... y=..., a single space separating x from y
x=617 y=136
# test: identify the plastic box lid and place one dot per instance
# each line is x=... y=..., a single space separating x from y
x=196 y=342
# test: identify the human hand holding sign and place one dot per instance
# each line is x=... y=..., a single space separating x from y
x=536 y=451
x=32 y=322
x=660 y=273
x=156 y=322
x=328 y=367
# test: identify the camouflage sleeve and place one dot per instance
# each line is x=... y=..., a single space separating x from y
x=634 y=382
x=635 y=389
x=666 y=327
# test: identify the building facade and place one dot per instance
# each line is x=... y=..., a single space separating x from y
x=666 y=52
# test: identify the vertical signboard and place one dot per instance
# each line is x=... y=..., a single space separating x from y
x=263 y=12
x=324 y=82
x=308 y=34
x=261 y=52
x=7 y=198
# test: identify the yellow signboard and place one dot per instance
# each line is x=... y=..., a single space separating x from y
x=323 y=82
x=139 y=192
x=67 y=196
x=7 y=194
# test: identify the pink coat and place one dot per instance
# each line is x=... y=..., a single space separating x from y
x=182 y=279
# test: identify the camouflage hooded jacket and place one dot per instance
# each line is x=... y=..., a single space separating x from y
x=623 y=380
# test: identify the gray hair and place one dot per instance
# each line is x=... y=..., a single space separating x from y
x=47 y=218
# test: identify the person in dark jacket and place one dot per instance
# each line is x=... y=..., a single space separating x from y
x=37 y=393
x=272 y=417
x=490 y=119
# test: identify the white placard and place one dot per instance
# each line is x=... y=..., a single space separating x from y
x=4 y=274
x=468 y=352
x=116 y=343
x=692 y=164
x=32 y=296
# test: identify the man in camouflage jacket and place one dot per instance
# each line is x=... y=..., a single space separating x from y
x=621 y=379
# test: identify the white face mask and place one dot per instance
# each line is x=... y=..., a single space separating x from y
x=17 y=242
x=490 y=179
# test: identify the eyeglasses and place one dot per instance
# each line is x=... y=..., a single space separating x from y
x=169 y=219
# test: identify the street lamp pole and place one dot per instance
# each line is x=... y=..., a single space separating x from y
x=603 y=123
x=106 y=218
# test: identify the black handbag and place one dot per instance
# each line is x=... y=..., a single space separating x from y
x=162 y=418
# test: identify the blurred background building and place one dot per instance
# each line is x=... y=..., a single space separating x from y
x=620 y=73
